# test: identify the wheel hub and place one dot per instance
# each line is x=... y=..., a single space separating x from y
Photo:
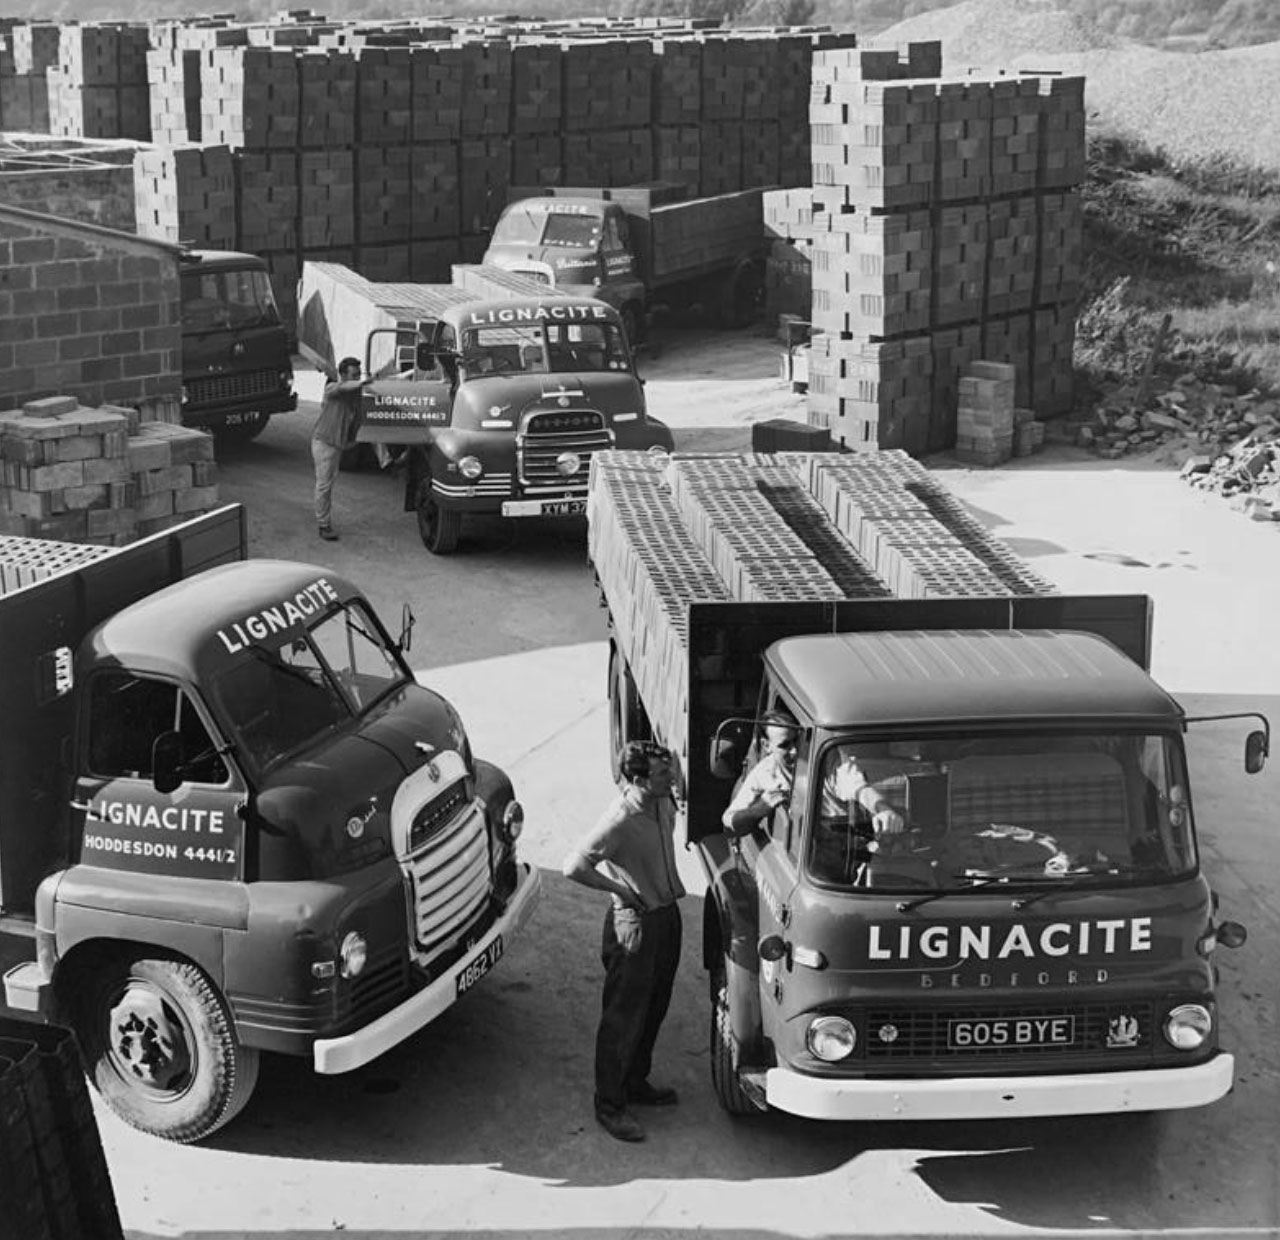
x=147 y=1041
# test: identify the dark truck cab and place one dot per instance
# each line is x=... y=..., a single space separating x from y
x=1039 y=940
x=237 y=368
x=250 y=828
x=515 y=399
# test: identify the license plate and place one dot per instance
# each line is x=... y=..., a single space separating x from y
x=977 y=1035
x=474 y=970
x=544 y=507
x=240 y=419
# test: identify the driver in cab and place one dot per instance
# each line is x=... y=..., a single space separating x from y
x=768 y=785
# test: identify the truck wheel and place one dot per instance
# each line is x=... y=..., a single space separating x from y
x=724 y=1078
x=159 y=1044
x=628 y=720
x=437 y=527
x=741 y=296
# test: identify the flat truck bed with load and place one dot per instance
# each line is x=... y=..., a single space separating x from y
x=1040 y=937
x=231 y=821
x=500 y=388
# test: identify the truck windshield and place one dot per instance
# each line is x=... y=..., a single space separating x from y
x=286 y=693
x=225 y=298
x=573 y=227
x=1030 y=810
x=558 y=348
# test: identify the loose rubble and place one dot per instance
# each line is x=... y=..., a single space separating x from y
x=1225 y=441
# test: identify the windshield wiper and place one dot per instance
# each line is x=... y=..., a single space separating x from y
x=979 y=882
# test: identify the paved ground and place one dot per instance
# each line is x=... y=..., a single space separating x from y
x=481 y=1125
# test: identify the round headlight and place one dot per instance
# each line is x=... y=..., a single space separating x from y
x=568 y=464
x=353 y=953
x=831 y=1038
x=1188 y=1027
x=656 y=449
x=470 y=467
x=512 y=821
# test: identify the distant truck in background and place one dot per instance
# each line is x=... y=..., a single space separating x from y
x=237 y=365
x=499 y=388
x=638 y=247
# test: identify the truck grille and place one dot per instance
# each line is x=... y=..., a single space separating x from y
x=221 y=389
x=547 y=435
x=449 y=872
x=922 y=1033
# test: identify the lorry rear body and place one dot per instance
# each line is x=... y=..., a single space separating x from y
x=237 y=368
x=246 y=790
x=1039 y=939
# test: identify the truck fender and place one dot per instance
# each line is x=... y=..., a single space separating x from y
x=493 y=786
x=730 y=926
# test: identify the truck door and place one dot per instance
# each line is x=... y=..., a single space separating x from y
x=615 y=248
x=122 y=820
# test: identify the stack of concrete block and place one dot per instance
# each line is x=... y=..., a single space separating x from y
x=328 y=87
x=788 y=283
x=1028 y=432
x=985 y=417
x=99 y=88
x=172 y=474
x=186 y=191
x=26 y=52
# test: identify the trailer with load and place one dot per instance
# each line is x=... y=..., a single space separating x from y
x=500 y=390
x=231 y=821
x=980 y=893
x=237 y=365
x=640 y=246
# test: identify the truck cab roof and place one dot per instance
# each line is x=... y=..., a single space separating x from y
x=923 y=677
x=195 y=627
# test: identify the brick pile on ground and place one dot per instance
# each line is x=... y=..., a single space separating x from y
x=100 y=475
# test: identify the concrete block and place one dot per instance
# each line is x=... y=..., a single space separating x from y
x=55 y=477
x=78 y=447
x=195 y=499
x=145 y=454
x=100 y=521
x=152 y=481
x=204 y=473
x=157 y=505
x=50 y=406
x=92 y=496
x=106 y=469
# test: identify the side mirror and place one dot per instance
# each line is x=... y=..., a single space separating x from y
x=407 y=621
x=729 y=748
x=1256 y=749
x=166 y=762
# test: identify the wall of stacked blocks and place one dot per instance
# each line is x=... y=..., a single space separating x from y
x=921 y=222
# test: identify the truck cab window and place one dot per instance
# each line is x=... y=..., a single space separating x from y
x=127 y=713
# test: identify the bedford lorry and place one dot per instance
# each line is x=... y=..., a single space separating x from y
x=237 y=366
x=498 y=394
x=231 y=821
x=1040 y=937
x=638 y=247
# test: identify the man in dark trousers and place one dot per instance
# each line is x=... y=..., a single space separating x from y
x=335 y=430
x=630 y=853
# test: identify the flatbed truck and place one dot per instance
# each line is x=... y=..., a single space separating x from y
x=1041 y=938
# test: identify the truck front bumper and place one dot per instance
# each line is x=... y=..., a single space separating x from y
x=1000 y=1097
x=354 y=1050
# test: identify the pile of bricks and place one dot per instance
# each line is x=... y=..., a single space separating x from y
x=28 y=52
x=789 y=526
x=99 y=475
x=943 y=220
x=990 y=427
x=98 y=88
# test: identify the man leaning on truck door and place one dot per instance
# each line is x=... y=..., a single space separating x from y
x=630 y=853
x=335 y=430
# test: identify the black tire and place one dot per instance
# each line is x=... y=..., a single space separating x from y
x=632 y=324
x=242 y=432
x=724 y=1077
x=438 y=527
x=628 y=720
x=160 y=1046
x=741 y=296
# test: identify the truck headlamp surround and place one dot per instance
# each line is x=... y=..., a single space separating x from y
x=512 y=822
x=354 y=954
x=1188 y=1026
x=470 y=467
x=831 y=1038
x=568 y=464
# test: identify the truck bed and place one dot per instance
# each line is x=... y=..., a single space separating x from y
x=703 y=560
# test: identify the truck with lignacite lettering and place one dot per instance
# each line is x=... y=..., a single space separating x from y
x=497 y=391
x=967 y=882
x=232 y=821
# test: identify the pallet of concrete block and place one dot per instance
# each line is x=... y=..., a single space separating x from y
x=338 y=309
x=24 y=561
x=483 y=281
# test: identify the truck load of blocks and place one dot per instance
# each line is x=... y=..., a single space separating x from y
x=665 y=531
x=75 y=474
x=943 y=225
